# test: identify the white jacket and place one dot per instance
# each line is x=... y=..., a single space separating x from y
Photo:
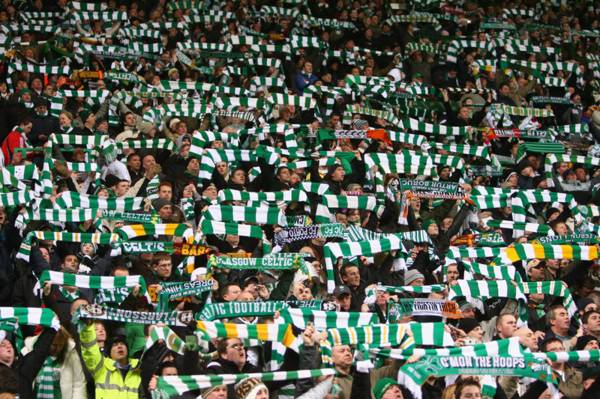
x=72 y=379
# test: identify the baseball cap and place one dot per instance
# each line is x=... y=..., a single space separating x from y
x=341 y=290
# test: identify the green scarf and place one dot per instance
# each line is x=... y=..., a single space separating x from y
x=229 y=310
x=47 y=382
x=281 y=261
x=98 y=312
x=172 y=291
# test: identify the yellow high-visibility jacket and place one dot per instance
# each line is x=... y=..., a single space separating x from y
x=108 y=378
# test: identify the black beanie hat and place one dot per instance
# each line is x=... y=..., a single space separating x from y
x=468 y=325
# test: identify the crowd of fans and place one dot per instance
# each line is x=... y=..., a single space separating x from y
x=362 y=195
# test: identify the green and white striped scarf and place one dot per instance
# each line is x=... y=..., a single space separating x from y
x=367 y=202
x=449 y=160
x=491 y=201
x=504 y=109
x=161 y=144
x=515 y=46
x=408 y=138
x=15 y=198
x=229 y=310
x=413 y=19
x=203 y=138
x=385 y=335
x=281 y=11
x=70 y=199
x=297 y=42
x=466 y=149
x=525 y=226
x=540 y=148
x=265 y=332
x=508 y=273
x=324 y=320
x=519 y=252
x=592 y=355
x=258 y=215
x=47 y=382
x=244 y=230
x=310 y=21
x=178 y=385
x=315 y=188
x=405 y=162
x=274 y=196
x=502 y=347
x=12 y=175
x=355 y=233
x=178 y=290
x=130 y=216
x=99 y=15
x=84 y=167
x=38 y=69
x=187 y=208
x=88 y=141
x=423 y=47
x=262 y=81
x=168 y=229
x=100 y=312
x=455 y=46
x=424 y=289
x=11 y=325
x=486 y=289
x=518 y=12
x=517 y=291
x=462 y=252
x=94 y=238
x=31 y=316
x=554 y=288
x=93 y=282
x=552 y=159
x=171 y=340
x=332 y=251
x=553 y=81
x=414 y=374
x=210 y=157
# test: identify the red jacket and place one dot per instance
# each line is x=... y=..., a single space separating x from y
x=12 y=141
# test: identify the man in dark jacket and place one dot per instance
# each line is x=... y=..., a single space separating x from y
x=44 y=124
x=18 y=374
x=232 y=360
x=58 y=297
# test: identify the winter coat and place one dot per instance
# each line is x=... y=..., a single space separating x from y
x=24 y=370
x=109 y=379
x=572 y=384
x=43 y=127
x=222 y=366
x=72 y=379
